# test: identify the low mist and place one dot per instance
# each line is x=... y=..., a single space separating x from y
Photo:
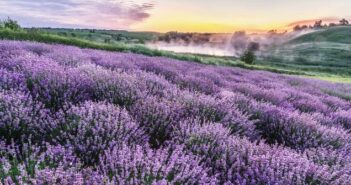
x=222 y=44
x=192 y=48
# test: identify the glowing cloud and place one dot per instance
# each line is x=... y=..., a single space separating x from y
x=174 y=15
x=77 y=13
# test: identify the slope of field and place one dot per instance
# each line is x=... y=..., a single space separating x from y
x=83 y=116
x=339 y=34
x=327 y=52
x=104 y=36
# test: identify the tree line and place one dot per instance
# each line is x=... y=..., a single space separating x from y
x=10 y=24
x=319 y=25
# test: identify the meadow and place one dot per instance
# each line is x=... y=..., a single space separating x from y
x=323 y=54
x=325 y=51
x=83 y=116
x=103 y=36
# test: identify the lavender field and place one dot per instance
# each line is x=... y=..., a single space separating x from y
x=82 y=116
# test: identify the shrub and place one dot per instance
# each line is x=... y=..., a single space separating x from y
x=21 y=117
x=26 y=164
x=73 y=116
x=342 y=118
x=92 y=128
x=141 y=165
x=248 y=57
x=157 y=118
x=11 y=24
x=289 y=128
x=208 y=109
x=115 y=87
x=238 y=161
x=11 y=80
x=56 y=86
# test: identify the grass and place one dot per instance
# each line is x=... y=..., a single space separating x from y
x=103 y=36
x=312 y=58
x=340 y=34
x=336 y=79
x=326 y=54
x=6 y=34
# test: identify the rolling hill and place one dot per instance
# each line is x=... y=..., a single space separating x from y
x=326 y=51
x=104 y=36
x=339 y=34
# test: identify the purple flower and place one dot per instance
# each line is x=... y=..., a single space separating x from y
x=92 y=128
x=141 y=165
x=83 y=116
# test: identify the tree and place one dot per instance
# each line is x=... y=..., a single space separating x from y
x=248 y=57
x=304 y=27
x=344 y=22
x=318 y=24
x=332 y=24
x=107 y=40
x=239 y=41
x=11 y=24
x=62 y=33
x=297 y=28
x=253 y=46
x=272 y=32
x=300 y=28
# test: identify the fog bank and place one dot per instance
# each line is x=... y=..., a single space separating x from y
x=222 y=44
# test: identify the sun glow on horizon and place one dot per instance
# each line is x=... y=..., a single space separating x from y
x=220 y=16
x=252 y=15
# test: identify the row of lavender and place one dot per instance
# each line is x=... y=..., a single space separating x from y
x=73 y=116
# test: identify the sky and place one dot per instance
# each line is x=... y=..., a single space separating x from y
x=174 y=15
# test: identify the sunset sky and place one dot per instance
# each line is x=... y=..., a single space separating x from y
x=174 y=15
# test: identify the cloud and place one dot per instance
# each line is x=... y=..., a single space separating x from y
x=312 y=21
x=110 y=14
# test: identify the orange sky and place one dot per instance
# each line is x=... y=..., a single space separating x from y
x=229 y=15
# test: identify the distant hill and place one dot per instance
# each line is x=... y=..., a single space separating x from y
x=104 y=36
x=326 y=51
x=339 y=34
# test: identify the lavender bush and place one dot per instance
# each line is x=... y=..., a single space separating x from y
x=141 y=165
x=82 y=116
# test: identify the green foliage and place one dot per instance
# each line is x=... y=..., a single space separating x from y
x=339 y=34
x=107 y=40
x=248 y=57
x=10 y=24
x=324 y=54
x=99 y=36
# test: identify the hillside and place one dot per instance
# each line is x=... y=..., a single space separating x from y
x=84 y=116
x=104 y=36
x=327 y=52
x=338 y=34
